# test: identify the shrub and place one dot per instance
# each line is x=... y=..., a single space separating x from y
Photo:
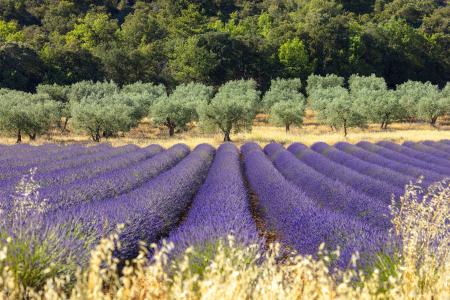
x=143 y=96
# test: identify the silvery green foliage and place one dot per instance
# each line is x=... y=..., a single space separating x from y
x=83 y=89
x=315 y=82
x=283 y=90
x=287 y=113
x=373 y=83
x=321 y=97
x=342 y=113
x=103 y=115
x=26 y=113
x=336 y=107
x=59 y=94
x=4 y=91
x=180 y=108
x=410 y=93
x=434 y=103
x=144 y=88
x=373 y=99
x=144 y=95
x=232 y=109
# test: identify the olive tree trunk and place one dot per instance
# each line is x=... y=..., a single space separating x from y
x=288 y=127
x=226 y=136
x=19 y=136
x=171 y=125
x=345 y=128
x=32 y=136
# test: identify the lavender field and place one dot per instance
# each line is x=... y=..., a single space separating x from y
x=69 y=197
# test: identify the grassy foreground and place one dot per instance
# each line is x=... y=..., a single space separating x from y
x=422 y=270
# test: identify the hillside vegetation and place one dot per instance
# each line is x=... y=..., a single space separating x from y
x=213 y=42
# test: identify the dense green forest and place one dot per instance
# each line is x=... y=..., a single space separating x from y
x=173 y=42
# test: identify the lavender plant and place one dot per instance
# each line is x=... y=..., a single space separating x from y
x=329 y=193
x=362 y=183
x=298 y=221
x=430 y=176
x=65 y=175
x=430 y=159
x=37 y=249
x=114 y=183
x=395 y=179
x=219 y=209
x=427 y=149
x=150 y=211
x=439 y=145
x=392 y=155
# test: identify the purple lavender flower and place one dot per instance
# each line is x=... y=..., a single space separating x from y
x=327 y=192
x=115 y=161
x=386 y=175
x=429 y=177
x=220 y=208
x=430 y=159
x=113 y=183
x=438 y=145
x=427 y=149
x=298 y=221
x=46 y=161
x=398 y=157
x=150 y=211
x=359 y=182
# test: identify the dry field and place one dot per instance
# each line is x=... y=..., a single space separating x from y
x=311 y=132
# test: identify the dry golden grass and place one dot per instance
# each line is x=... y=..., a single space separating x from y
x=265 y=134
x=262 y=133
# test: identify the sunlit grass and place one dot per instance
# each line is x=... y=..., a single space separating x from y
x=311 y=132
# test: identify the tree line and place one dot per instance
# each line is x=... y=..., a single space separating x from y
x=213 y=42
x=103 y=109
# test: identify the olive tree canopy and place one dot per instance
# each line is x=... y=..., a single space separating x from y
x=232 y=109
x=180 y=108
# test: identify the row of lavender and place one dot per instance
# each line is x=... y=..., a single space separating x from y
x=338 y=195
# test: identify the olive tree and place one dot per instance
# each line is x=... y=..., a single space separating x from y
x=315 y=82
x=434 y=103
x=341 y=113
x=180 y=108
x=20 y=112
x=374 y=101
x=143 y=95
x=102 y=116
x=232 y=109
x=336 y=107
x=283 y=90
x=410 y=94
x=320 y=98
x=59 y=94
x=84 y=89
x=287 y=113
